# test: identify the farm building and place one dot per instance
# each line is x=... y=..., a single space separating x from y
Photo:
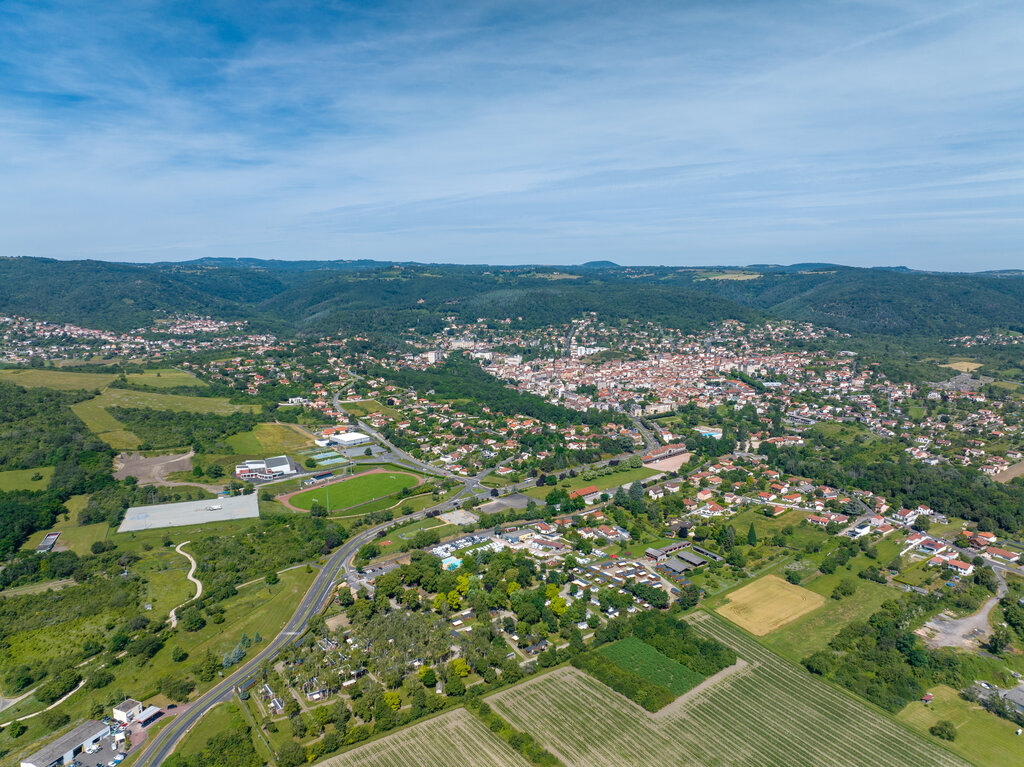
x=66 y=748
x=269 y=468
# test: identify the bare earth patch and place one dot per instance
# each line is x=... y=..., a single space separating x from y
x=768 y=603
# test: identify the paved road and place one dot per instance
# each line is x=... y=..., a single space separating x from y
x=314 y=601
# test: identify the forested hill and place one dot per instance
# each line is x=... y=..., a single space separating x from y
x=362 y=296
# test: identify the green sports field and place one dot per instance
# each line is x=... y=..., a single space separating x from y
x=352 y=492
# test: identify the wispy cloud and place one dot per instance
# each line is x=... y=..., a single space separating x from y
x=859 y=132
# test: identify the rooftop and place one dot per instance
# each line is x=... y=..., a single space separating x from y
x=54 y=750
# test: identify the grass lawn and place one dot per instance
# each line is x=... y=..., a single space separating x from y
x=767 y=603
x=165 y=378
x=363 y=408
x=269 y=439
x=223 y=717
x=22 y=479
x=606 y=482
x=56 y=379
x=79 y=538
x=392 y=542
x=635 y=655
x=351 y=492
x=981 y=737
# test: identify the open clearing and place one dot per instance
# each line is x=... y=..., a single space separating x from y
x=768 y=713
x=635 y=655
x=982 y=737
x=768 y=603
x=352 y=492
x=94 y=411
x=165 y=378
x=22 y=479
x=56 y=379
x=962 y=366
x=453 y=738
x=269 y=439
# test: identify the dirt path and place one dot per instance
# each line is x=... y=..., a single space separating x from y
x=689 y=695
x=286 y=498
x=154 y=470
x=191 y=577
x=943 y=631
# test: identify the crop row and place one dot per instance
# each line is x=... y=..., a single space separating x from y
x=769 y=713
x=453 y=738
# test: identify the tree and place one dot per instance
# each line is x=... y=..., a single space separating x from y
x=944 y=729
x=178 y=655
x=271 y=578
x=455 y=687
x=751 y=536
x=309 y=463
x=427 y=676
x=215 y=471
x=999 y=640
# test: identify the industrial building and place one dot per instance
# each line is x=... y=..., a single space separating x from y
x=66 y=748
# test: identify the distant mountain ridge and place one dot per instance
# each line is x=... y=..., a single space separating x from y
x=366 y=296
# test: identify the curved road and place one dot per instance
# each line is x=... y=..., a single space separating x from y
x=160 y=747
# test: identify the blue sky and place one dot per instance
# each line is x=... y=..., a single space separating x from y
x=865 y=133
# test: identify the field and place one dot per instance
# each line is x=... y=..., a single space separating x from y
x=165 y=378
x=21 y=479
x=982 y=737
x=56 y=379
x=77 y=538
x=608 y=482
x=635 y=655
x=768 y=603
x=768 y=713
x=269 y=439
x=741 y=276
x=453 y=738
x=962 y=366
x=363 y=408
x=352 y=492
x=93 y=411
x=812 y=631
x=221 y=718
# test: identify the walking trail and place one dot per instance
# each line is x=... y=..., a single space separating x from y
x=191 y=577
